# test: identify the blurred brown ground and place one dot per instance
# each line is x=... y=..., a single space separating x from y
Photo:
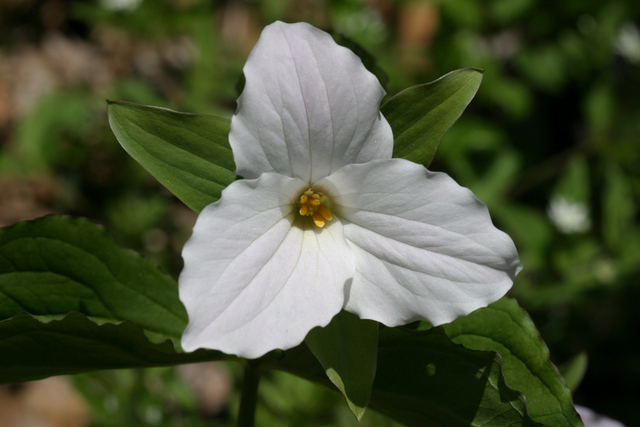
x=52 y=402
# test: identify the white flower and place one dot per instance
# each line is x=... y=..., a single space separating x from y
x=627 y=43
x=121 y=5
x=592 y=419
x=568 y=217
x=325 y=219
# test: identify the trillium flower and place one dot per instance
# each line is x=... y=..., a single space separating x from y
x=324 y=218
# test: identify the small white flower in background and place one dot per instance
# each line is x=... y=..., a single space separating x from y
x=120 y=5
x=605 y=270
x=569 y=217
x=325 y=219
x=592 y=419
x=627 y=42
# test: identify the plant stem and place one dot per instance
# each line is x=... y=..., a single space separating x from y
x=249 y=396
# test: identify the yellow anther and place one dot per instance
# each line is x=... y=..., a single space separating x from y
x=325 y=212
x=313 y=204
x=318 y=220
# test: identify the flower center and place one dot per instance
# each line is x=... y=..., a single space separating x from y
x=313 y=204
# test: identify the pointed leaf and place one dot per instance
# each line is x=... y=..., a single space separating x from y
x=55 y=265
x=506 y=328
x=31 y=349
x=188 y=153
x=421 y=115
x=347 y=349
x=424 y=379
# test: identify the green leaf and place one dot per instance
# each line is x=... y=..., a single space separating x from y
x=31 y=349
x=573 y=371
x=574 y=183
x=55 y=265
x=37 y=144
x=421 y=115
x=506 y=328
x=347 y=350
x=188 y=153
x=619 y=212
x=424 y=379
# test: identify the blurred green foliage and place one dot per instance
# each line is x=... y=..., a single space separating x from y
x=160 y=397
x=551 y=143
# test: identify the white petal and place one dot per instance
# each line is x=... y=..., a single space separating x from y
x=425 y=247
x=255 y=278
x=308 y=107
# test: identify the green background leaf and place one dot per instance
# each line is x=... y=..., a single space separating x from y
x=574 y=370
x=55 y=265
x=421 y=115
x=72 y=301
x=347 y=349
x=31 y=349
x=188 y=153
x=425 y=379
x=506 y=328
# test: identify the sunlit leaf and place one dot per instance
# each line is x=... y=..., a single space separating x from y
x=55 y=265
x=31 y=349
x=421 y=115
x=188 y=153
x=424 y=379
x=506 y=328
x=347 y=349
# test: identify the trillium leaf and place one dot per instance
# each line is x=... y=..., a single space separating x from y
x=423 y=378
x=506 y=328
x=55 y=265
x=188 y=153
x=31 y=349
x=347 y=349
x=421 y=115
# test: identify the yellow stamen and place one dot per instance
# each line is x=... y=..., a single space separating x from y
x=313 y=204
x=318 y=220
x=325 y=212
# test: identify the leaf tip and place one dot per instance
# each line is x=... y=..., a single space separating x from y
x=358 y=411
